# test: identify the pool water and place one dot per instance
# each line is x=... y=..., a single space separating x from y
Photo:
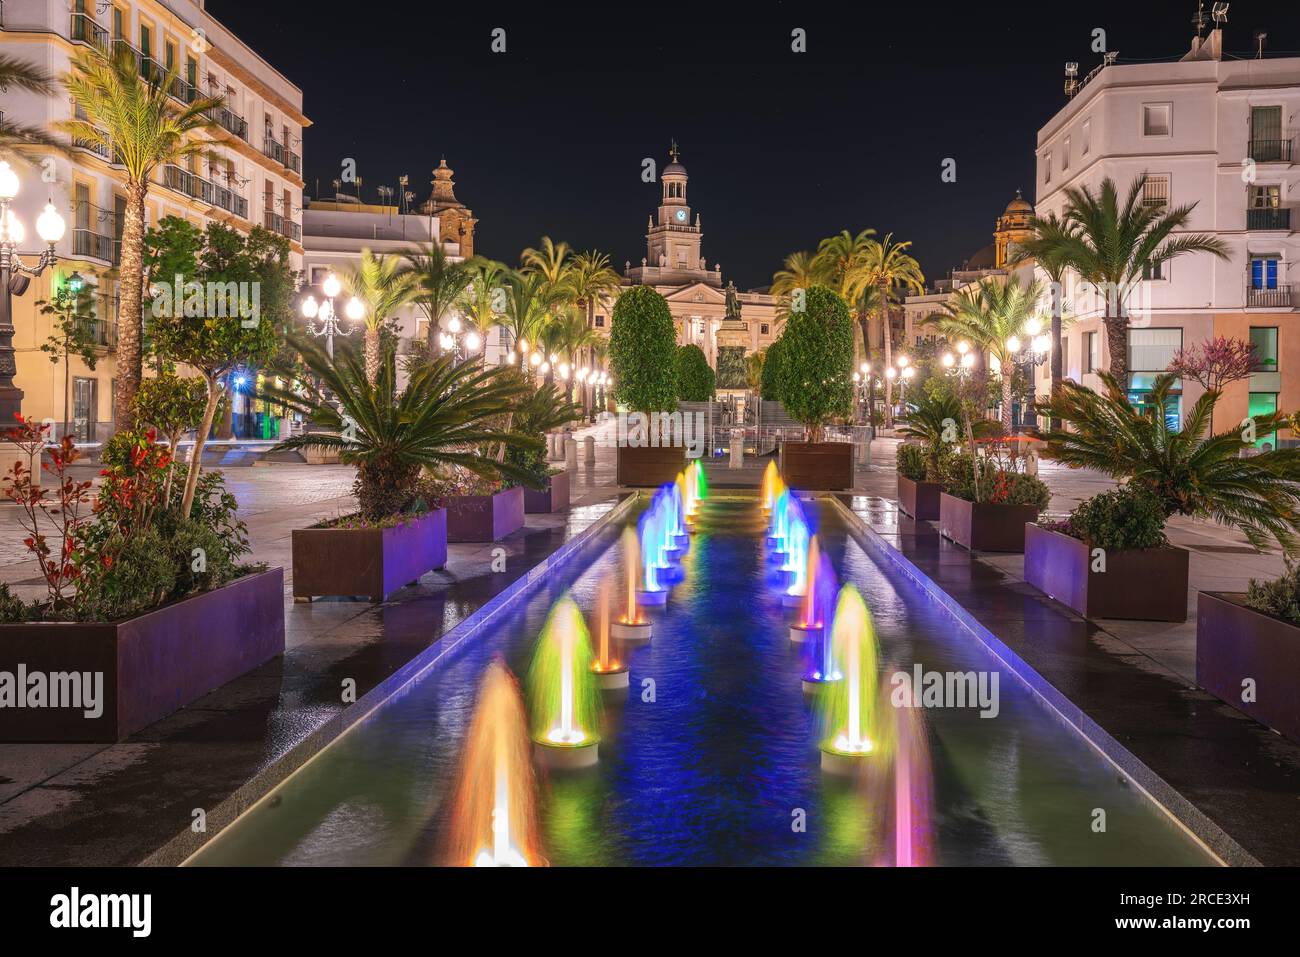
x=714 y=762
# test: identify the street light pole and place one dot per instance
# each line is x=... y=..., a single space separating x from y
x=14 y=279
x=325 y=312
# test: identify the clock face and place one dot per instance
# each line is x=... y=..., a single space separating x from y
x=681 y=215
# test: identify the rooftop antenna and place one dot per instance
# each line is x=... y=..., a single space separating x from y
x=1110 y=56
x=1200 y=19
x=1260 y=37
x=1071 y=79
x=1220 y=13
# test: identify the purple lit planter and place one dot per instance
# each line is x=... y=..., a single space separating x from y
x=1140 y=584
x=373 y=562
x=150 y=665
x=484 y=518
x=919 y=499
x=553 y=498
x=1234 y=643
x=982 y=526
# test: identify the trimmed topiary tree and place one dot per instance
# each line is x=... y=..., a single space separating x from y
x=695 y=380
x=817 y=361
x=770 y=383
x=643 y=351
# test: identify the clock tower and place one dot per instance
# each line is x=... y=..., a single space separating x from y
x=673 y=241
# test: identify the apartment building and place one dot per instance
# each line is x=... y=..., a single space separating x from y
x=254 y=176
x=1218 y=131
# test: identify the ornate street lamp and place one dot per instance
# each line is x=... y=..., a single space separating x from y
x=15 y=277
x=325 y=312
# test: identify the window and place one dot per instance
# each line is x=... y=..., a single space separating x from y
x=1086 y=145
x=1266 y=143
x=1065 y=155
x=1264 y=339
x=1265 y=197
x=1091 y=351
x=1155 y=190
x=119 y=27
x=1151 y=350
x=318 y=274
x=762 y=329
x=1153 y=272
x=600 y=322
x=1047 y=167
x=146 y=40
x=1263 y=272
x=191 y=71
x=1156 y=119
x=1263 y=403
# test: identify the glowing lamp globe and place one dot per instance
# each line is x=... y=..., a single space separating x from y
x=473 y=341
x=13 y=229
x=963 y=347
x=355 y=309
x=50 y=225
x=1033 y=326
x=949 y=360
x=453 y=325
x=968 y=360
x=331 y=287
x=1013 y=343
x=8 y=181
x=310 y=307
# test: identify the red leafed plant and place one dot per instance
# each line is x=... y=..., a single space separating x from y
x=57 y=510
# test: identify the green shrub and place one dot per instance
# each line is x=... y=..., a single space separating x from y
x=773 y=369
x=1017 y=488
x=13 y=608
x=911 y=460
x=141 y=576
x=1126 y=518
x=817 y=366
x=1279 y=597
x=997 y=486
x=643 y=351
x=695 y=380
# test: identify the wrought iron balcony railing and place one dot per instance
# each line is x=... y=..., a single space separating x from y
x=1269 y=217
x=1283 y=296
x=283 y=225
x=84 y=29
x=195 y=186
x=1271 y=151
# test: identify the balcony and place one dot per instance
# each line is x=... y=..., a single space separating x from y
x=84 y=29
x=196 y=187
x=1284 y=296
x=101 y=332
x=1269 y=217
x=282 y=154
x=279 y=224
x=1270 y=151
x=95 y=234
x=230 y=121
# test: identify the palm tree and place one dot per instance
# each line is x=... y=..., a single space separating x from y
x=137 y=120
x=442 y=417
x=989 y=314
x=590 y=278
x=1115 y=247
x=1191 y=470
x=480 y=300
x=1048 y=246
x=834 y=263
x=21 y=75
x=933 y=421
x=885 y=266
x=439 y=283
x=801 y=270
x=528 y=304
x=384 y=287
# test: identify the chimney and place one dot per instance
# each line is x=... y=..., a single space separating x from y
x=1206 y=48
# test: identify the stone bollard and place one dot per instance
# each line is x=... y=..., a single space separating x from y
x=737 y=449
x=556 y=446
x=571 y=453
x=589 y=450
x=1031 y=462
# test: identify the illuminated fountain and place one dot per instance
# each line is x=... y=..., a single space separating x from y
x=679 y=536
x=652 y=529
x=493 y=818
x=695 y=475
x=795 y=566
x=610 y=672
x=632 y=625
x=849 y=706
x=563 y=695
x=777 y=526
x=772 y=486
x=688 y=506
x=912 y=789
x=815 y=606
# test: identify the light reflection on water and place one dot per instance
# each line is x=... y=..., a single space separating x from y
x=713 y=770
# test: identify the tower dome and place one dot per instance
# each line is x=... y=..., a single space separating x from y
x=1018 y=206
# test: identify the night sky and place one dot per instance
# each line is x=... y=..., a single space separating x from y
x=782 y=148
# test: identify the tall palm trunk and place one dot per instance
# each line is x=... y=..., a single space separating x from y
x=864 y=324
x=1117 y=342
x=888 y=335
x=1008 y=380
x=1058 y=373
x=372 y=355
x=130 y=307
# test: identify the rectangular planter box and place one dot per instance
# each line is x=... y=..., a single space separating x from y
x=919 y=499
x=984 y=527
x=1141 y=584
x=817 y=466
x=553 y=498
x=149 y=666
x=649 y=466
x=1234 y=643
x=373 y=562
x=484 y=518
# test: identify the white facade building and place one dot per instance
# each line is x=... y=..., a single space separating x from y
x=1212 y=130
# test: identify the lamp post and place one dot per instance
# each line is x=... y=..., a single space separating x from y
x=1030 y=353
x=459 y=340
x=15 y=276
x=328 y=317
